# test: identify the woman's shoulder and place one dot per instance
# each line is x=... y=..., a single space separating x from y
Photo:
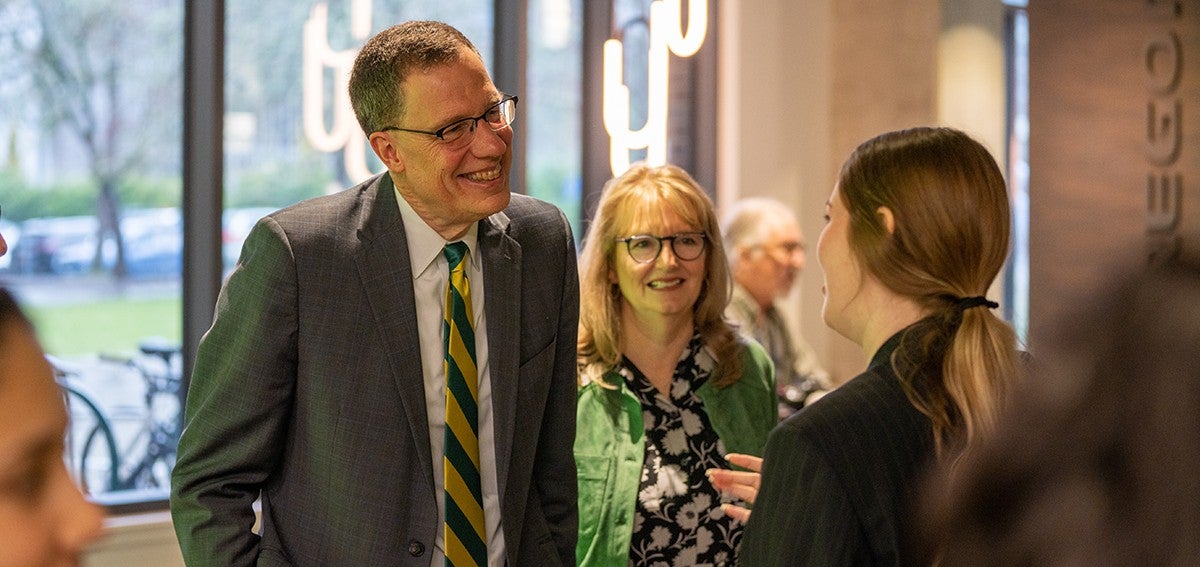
x=867 y=406
x=872 y=383
x=749 y=347
x=754 y=356
x=870 y=435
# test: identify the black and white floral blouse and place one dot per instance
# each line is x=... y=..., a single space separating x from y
x=678 y=519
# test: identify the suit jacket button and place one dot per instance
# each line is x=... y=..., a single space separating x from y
x=416 y=548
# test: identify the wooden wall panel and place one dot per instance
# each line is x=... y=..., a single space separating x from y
x=1107 y=78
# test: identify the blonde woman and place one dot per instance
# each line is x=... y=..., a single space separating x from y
x=666 y=385
x=916 y=230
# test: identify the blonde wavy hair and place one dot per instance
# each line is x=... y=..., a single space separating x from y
x=951 y=238
x=642 y=192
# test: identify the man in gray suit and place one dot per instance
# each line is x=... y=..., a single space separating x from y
x=320 y=386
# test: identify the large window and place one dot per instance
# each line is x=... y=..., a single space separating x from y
x=90 y=185
x=550 y=107
x=289 y=131
x=1017 y=83
x=92 y=147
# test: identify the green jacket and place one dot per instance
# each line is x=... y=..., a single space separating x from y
x=610 y=446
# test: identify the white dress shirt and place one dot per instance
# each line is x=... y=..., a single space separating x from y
x=431 y=273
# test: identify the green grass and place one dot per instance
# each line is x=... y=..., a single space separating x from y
x=110 y=326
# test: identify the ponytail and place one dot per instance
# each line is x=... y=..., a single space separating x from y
x=972 y=358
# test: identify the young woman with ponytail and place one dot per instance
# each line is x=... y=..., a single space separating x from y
x=917 y=229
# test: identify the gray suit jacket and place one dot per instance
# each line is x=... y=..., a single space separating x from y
x=308 y=390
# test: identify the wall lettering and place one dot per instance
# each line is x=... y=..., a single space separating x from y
x=1163 y=62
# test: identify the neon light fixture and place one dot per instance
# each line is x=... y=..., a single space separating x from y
x=665 y=37
x=318 y=55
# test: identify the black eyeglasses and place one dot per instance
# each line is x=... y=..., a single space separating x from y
x=496 y=116
x=645 y=248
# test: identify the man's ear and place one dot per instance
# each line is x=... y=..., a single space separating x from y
x=387 y=151
x=887 y=219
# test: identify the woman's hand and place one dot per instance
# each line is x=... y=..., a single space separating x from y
x=738 y=484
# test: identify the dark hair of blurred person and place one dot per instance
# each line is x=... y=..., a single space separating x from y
x=44 y=519
x=1098 y=460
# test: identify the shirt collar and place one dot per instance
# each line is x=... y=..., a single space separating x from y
x=425 y=245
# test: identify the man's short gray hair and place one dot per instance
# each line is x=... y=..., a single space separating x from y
x=746 y=222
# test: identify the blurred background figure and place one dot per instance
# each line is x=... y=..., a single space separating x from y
x=766 y=254
x=667 y=386
x=1098 y=461
x=44 y=519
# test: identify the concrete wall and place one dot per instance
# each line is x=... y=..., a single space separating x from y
x=803 y=83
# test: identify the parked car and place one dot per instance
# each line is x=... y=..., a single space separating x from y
x=153 y=246
x=153 y=242
x=44 y=238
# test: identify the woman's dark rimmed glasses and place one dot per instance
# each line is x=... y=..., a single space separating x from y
x=645 y=248
x=496 y=116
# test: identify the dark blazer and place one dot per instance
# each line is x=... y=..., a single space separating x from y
x=308 y=388
x=838 y=477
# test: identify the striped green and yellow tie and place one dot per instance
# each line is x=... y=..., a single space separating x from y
x=465 y=534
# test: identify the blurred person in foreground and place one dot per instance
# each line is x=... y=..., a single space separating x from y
x=917 y=229
x=666 y=385
x=44 y=519
x=392 y=367
x=1098 y=461
x=766 y=254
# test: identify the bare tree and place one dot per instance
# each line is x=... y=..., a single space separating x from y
x=95 y=72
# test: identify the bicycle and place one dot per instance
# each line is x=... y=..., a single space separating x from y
x=85 y=414
x=96 y=450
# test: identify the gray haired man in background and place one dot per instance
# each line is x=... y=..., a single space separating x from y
x=766 y=253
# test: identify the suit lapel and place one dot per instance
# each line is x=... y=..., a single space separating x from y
x=387 y=280
x=502 y=272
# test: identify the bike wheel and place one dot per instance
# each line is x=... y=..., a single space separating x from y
x=99 y=463
x=90 y=446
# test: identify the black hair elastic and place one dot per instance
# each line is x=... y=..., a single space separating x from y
x=964 y=303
